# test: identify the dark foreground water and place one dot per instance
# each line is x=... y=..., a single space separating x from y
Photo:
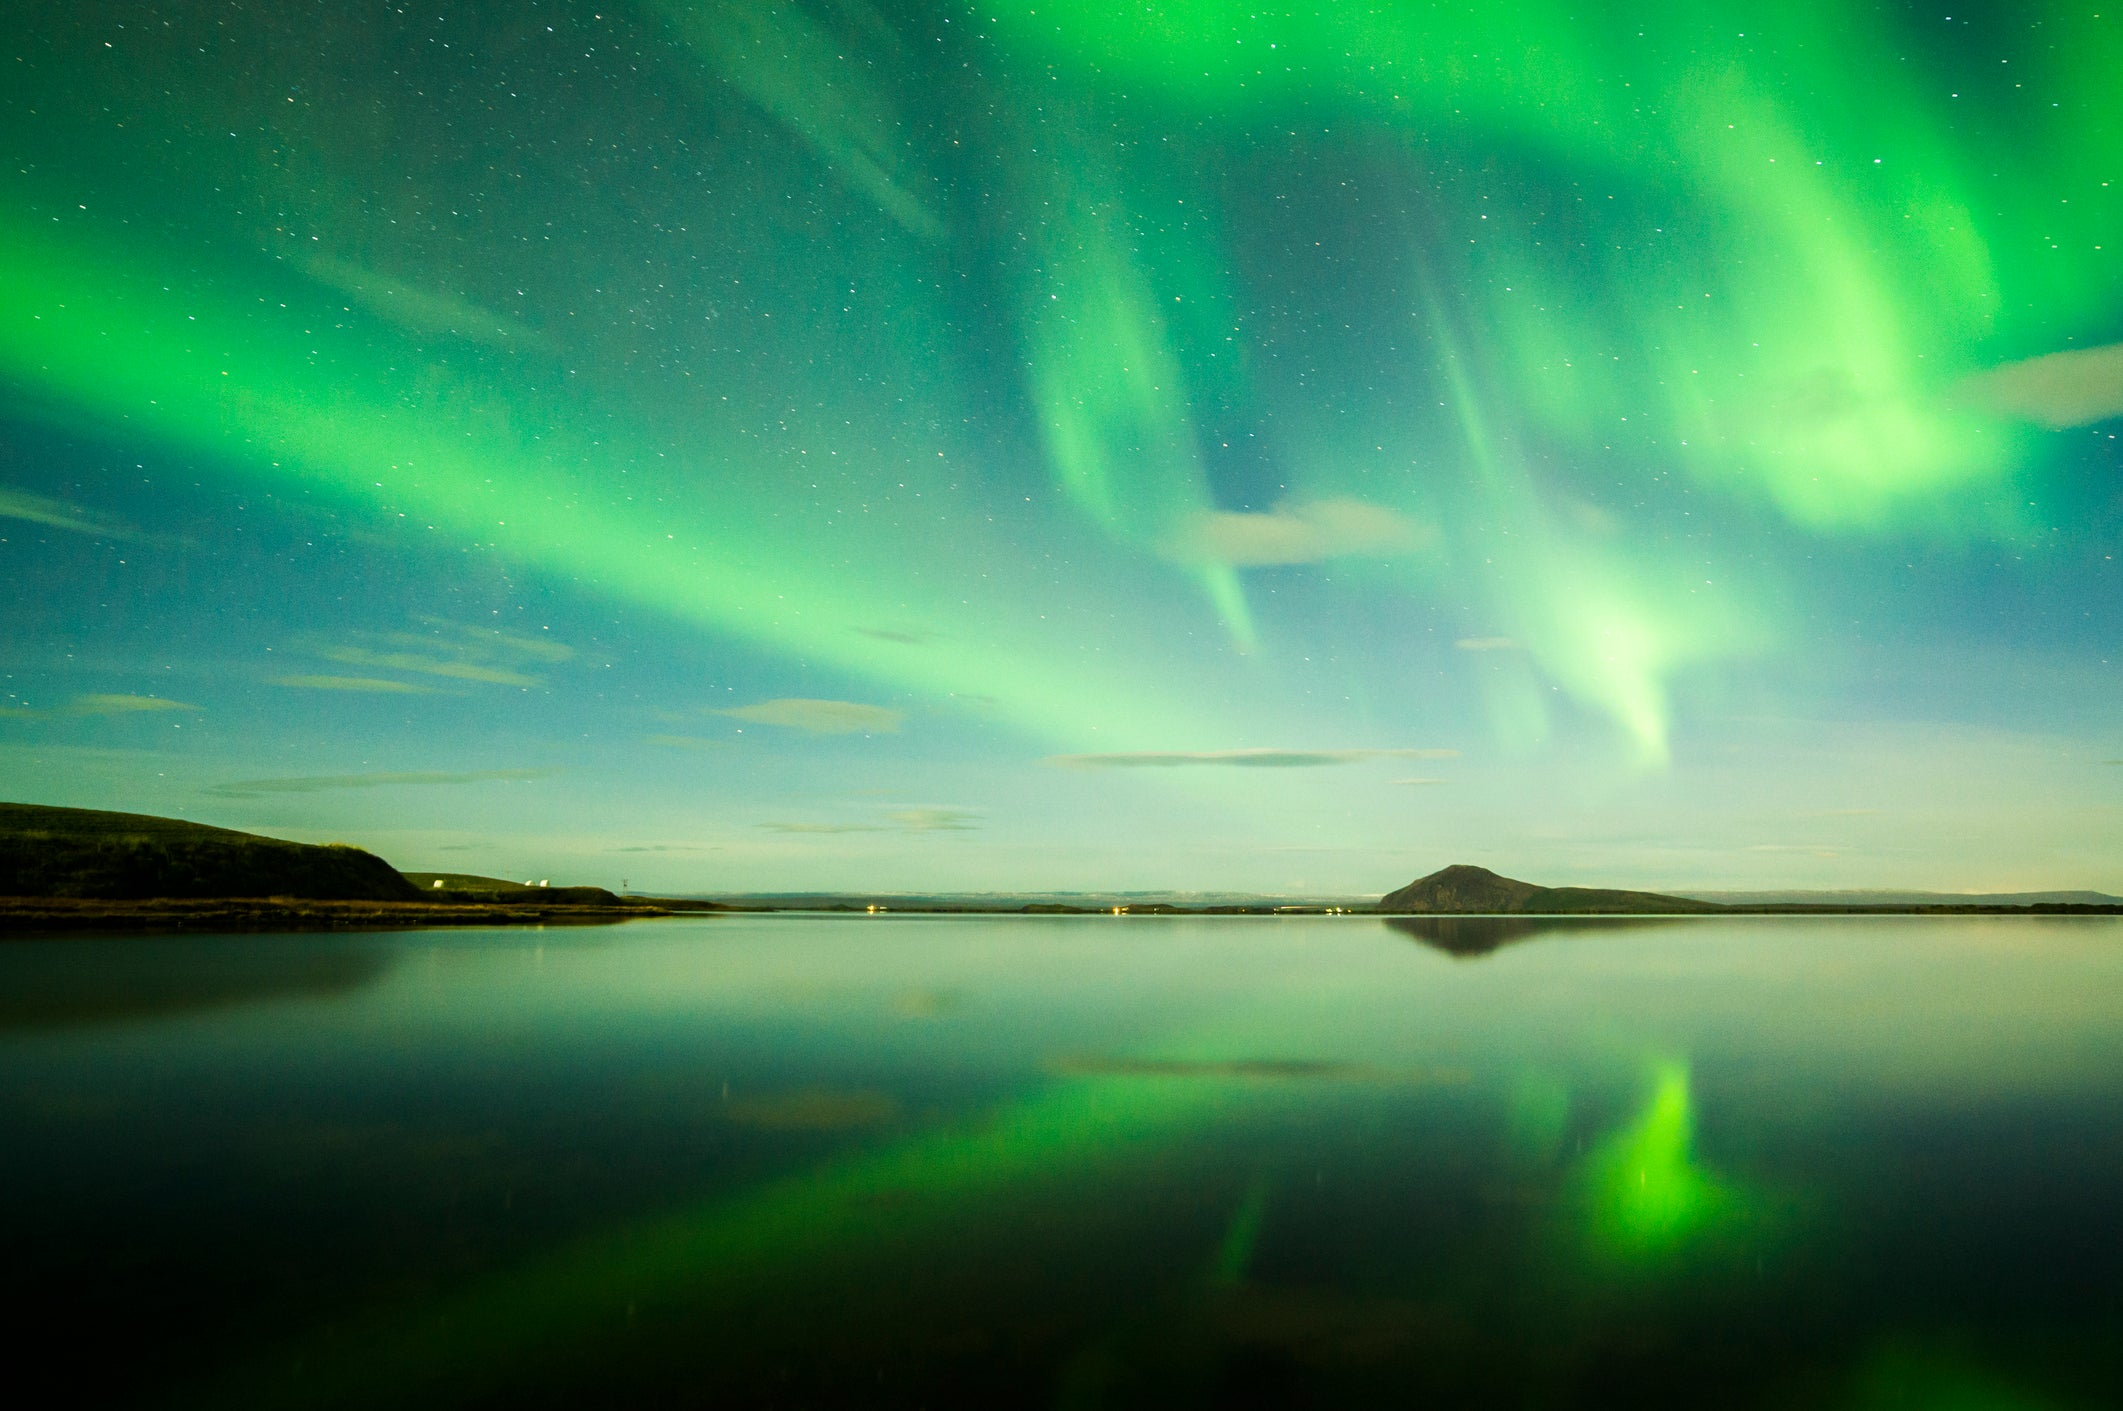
x=1076 y=1162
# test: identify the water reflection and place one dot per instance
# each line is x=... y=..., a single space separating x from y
x=66 y=983
x=663 y=1278
x=1938 y=1377
x=1130 y=1067
x=1472 y=937
x=1648 y=1198
x=1206 y=1164
x=814 y=1110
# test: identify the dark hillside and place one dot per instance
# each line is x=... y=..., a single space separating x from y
x=78 y=852
x=466 y=882
x=470 y=887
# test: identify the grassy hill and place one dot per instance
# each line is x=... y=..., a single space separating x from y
x=466 y=882
x=1464 y=890
x=86 y=853
x=468 y=886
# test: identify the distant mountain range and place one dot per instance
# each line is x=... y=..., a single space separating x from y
x=1888 y=898
x=1141 y=901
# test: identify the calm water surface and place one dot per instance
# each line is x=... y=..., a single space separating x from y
x=1075 y=1162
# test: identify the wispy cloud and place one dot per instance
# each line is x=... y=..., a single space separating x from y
x=452 y=651
x=824 y=828
x=56 y=514
x=1237 y=759
x=2073 y=388
x=422 y=310
x=426 y=665
x=123 y=705
x=936 y=820
x=906 y=637
x=687 y=742
x=375 y=684
x=1487 y=644
x=1417 y=783
x=492 y=640
x=324 y=783
x=819 y=717
x=906 y=820
x=1302 y=533
x=790 y=64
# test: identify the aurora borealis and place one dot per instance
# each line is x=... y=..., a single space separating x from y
x=758 y=446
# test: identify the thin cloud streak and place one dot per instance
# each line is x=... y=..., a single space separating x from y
x=824 y=828
x=1304 y=533
x=56 y=514
x=1236 y=759
x=819 y=717
x=908 y=820
x=124 y=705
x=99 y=705
x=454 y=651
x=427 y=666
x=373 y=685
x=325 y=783
x=2058 y=390
x=936 y=820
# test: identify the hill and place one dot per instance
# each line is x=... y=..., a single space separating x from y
x=89 y=854
x=466 y=882
x=471 y=887
x=1461 y=890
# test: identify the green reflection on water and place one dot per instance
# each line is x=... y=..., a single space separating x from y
x=1934 y=1379
x=1235 y=1254
x=1411 y=1265
x=1648 y=1198
x=569 y=1309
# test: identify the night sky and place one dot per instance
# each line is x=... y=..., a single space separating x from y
x=728 y=445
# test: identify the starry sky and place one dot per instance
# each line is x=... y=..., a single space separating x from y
x=749 y=445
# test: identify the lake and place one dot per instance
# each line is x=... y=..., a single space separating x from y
x=1073 y=1162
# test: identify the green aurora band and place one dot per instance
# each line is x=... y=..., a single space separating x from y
x=1758 y=263
x=210 y=375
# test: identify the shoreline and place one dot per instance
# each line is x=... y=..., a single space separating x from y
x=33 y=917
x=27 y=917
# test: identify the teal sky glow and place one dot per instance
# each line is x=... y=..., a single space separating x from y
x=775 y=446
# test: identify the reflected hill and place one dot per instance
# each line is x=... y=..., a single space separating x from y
x=70 y=983
x=1472 y=937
